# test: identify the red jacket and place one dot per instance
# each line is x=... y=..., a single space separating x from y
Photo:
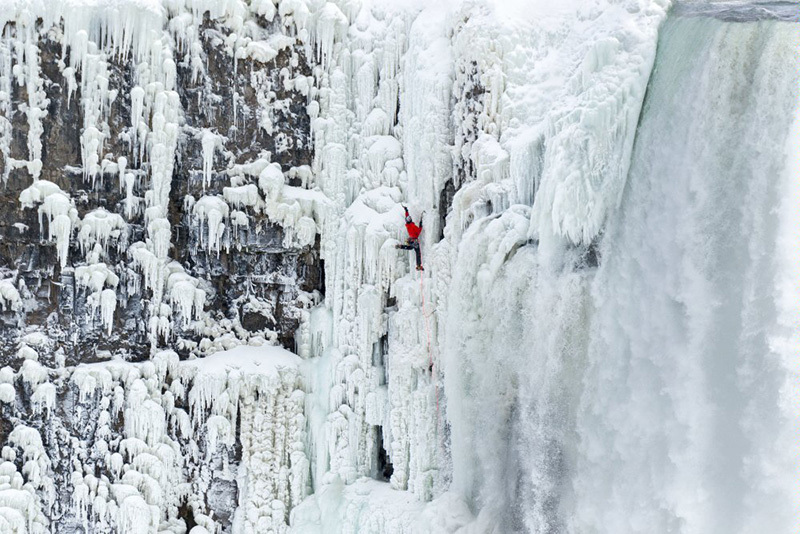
x=413 y=230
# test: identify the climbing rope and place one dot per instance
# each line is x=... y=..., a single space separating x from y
x=430 y=352
x=427 y=328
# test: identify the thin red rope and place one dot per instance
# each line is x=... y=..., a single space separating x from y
x=430 y=352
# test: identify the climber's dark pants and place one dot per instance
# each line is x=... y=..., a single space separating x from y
x=413 y=244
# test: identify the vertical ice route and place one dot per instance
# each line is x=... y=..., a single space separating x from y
x=502 y=138
x=515 y=422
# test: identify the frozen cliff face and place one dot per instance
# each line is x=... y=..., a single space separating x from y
x=133 y=140
x=587 y=350
x=600 y=314
x=155 y=179
x=515 y=134
x=158 y=446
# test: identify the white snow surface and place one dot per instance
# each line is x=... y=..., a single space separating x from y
x=246 y=360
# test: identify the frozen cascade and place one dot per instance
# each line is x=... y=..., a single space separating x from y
x=603 y=336
x=418 y=413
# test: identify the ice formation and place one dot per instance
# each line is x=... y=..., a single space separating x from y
x=211 y=211
x=610 y=288
x=59 y=210
x=98 y=227
x=172 y=437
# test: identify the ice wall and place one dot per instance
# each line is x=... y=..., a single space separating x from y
x=483 y=124
x=590 y=352
x=156 y=142
x=152 y=208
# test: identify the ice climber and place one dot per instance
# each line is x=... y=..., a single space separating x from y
x=412 y=243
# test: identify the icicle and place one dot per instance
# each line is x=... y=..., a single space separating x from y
x=209 y=141
x=108 y=304
x=137 y=110
x=213 y=211
x=9 y=296
x=98 y=227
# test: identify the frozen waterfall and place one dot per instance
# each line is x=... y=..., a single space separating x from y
x=206 y=326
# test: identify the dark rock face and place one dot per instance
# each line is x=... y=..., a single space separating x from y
x=253 y=265
x=255 y=285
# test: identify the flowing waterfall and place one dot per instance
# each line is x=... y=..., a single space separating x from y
x=687 y=421
x=653 y=393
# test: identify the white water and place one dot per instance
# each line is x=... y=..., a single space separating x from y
x=684 y=427
x=654 y=393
